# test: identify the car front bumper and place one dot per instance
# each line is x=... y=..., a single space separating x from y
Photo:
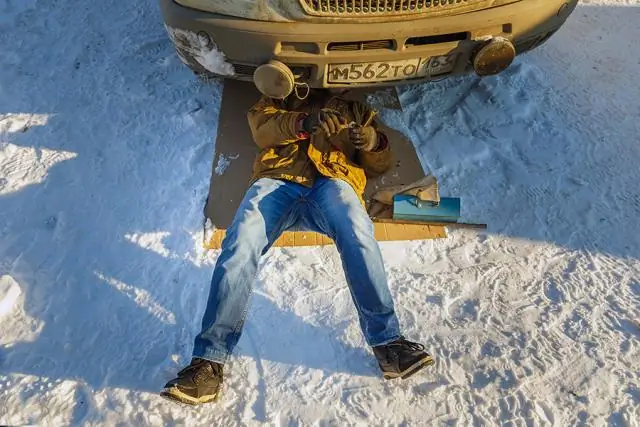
x=308 y=48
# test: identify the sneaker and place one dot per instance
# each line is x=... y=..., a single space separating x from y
x=401 y=358
x=196 y=384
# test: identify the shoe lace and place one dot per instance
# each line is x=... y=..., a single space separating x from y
x=217 y=369
x=403 y=343
x=201 y=369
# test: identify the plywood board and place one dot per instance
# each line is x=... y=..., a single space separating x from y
x=234 y=153
x=383 y=233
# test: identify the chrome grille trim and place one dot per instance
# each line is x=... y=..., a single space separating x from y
x=358 y=8
x=364 y=45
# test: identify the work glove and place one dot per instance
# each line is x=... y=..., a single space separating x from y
x=364 y=138
x=329 y=121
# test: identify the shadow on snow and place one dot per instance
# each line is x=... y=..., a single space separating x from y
x=142 y=130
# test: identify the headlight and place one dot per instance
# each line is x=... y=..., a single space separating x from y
x=259 y=10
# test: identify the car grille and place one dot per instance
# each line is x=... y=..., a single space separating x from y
x=370 y=45
x=353 y=8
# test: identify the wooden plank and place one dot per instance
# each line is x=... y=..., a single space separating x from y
x=395 y=231
x=287 y=239
x=380 y=232
x=325 y=240
x=431 y=223
x=304 y=238
x=383 y=233
x=218 y=236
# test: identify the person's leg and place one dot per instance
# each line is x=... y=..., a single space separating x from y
x=334 y=208
x=268 y=207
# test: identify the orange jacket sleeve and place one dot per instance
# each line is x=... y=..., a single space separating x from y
x=376 y=163
x=271 y=125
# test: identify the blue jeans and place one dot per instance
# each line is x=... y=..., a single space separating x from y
x=270 y=207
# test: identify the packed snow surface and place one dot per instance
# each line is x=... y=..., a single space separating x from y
x=106 y=142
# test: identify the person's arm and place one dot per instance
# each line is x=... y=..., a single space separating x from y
x=272 y=126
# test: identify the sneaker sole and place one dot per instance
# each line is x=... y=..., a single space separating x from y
x=175 y=395
x=427 y=361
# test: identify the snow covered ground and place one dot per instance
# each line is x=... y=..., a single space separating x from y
x=105 y=151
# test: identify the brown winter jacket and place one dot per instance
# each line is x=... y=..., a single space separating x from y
x=287 y=155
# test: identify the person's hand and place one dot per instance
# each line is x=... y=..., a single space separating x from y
x=364 y=138
x=327 y=120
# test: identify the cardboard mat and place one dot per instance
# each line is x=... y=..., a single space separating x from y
x=235 y=153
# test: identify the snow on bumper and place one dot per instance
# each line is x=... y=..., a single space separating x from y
x=192 y=47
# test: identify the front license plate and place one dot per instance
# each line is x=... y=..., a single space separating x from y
x=389 y=71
